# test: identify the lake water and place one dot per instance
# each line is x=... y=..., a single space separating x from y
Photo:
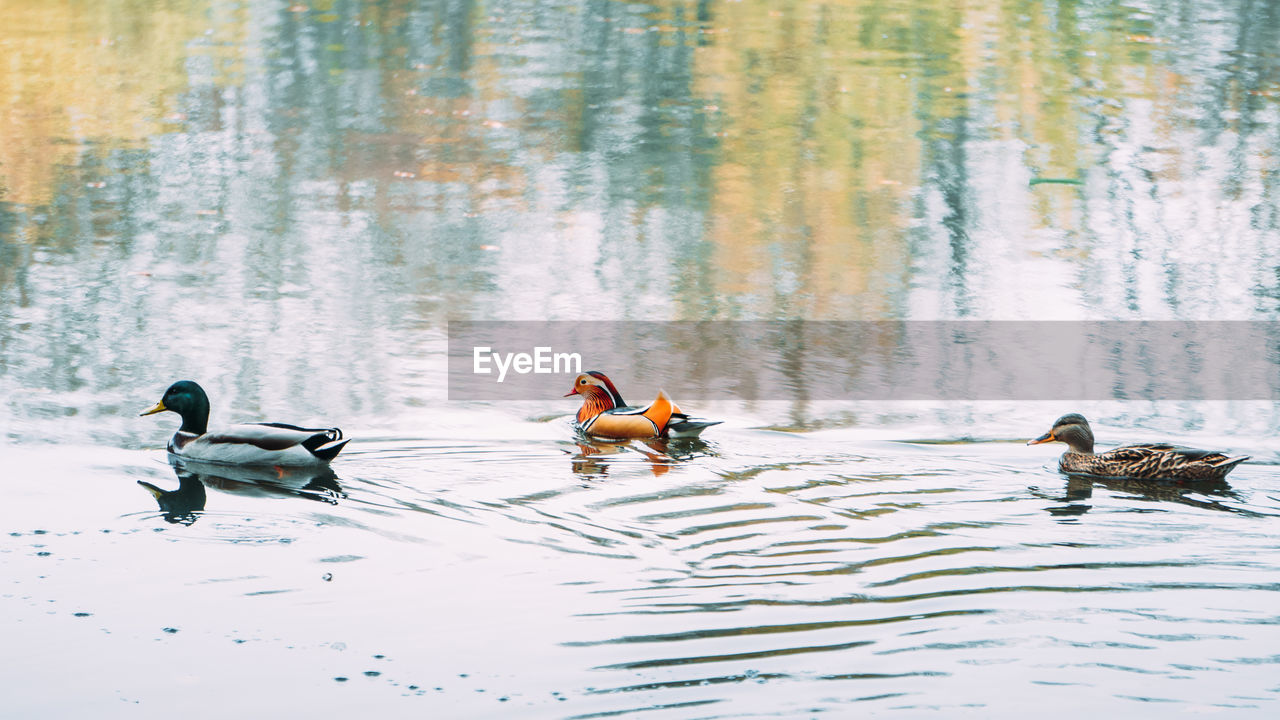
x=289 y=202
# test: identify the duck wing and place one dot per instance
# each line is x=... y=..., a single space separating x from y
x=628 y=410
x=683 y=426
x=264 y=442
x=1186 y=454
x=1160 y=460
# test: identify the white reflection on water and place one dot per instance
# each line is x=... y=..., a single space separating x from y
x=772 y=573
x=287 y=203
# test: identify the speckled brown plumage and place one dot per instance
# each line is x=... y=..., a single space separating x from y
x=1151 y=461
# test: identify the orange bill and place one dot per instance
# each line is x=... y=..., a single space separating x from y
x=1047 y=437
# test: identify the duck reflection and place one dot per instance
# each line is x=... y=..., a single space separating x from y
x=595 y=455
x=183 y=505
x=1080 y=488
x=180 y=506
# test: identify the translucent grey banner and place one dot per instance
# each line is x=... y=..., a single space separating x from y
x=909 y=360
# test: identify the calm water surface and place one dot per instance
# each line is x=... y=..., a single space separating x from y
x=289 y=201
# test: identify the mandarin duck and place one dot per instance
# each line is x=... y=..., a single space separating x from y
x=605 y=414
x=269 y=444
x=1149 y=461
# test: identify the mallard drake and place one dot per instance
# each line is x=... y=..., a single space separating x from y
x=245 y=443
x=1153 y=461
x=605 y=414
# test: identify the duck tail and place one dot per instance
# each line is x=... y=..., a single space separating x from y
x=1229 y=464
x=326 y=445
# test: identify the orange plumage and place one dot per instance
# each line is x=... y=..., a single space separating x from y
x=605 y=414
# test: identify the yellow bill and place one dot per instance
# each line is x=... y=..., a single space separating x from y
x=158 y=408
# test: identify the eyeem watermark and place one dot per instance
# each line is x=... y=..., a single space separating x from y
x=541 y=362
x=794 y=360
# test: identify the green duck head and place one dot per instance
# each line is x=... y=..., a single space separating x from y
x=1071 y=429
x=188 y=400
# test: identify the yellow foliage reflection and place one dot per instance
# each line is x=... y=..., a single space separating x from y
x=76 y=72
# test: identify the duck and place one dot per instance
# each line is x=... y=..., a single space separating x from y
x=605 y=414
x=263 y=443
x=1149 y=461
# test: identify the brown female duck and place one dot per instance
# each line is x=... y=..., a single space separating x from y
x=1154 y=461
